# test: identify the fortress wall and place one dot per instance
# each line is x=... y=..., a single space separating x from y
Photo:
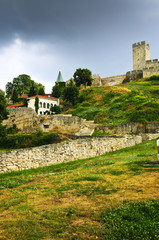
x=113 y=80
x=64 y=152
x=152 y=63
x=63 y=123
x=148 y=72
x=25 y=119
x=128 y=128
x=68 y=151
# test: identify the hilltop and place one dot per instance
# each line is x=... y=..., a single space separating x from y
x=135 y=101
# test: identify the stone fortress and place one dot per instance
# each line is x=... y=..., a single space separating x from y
x=143 y=67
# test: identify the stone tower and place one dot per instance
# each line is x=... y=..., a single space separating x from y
x=141 y=53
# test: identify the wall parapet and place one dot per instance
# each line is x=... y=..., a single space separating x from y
x=139 y=44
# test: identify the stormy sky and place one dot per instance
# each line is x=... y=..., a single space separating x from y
x=39 y=37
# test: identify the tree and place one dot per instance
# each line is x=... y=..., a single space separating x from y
x=41 y=91
x=3 y=113
x=56 y=109
x=57 y=90
x=36 y=104
x=14 y=97
x=32 y=91
x=83 y=76
x=9 y=88
x=22 y=83
x=71 y=93
x=3 y=107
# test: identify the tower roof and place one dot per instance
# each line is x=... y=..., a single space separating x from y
x=59 y=78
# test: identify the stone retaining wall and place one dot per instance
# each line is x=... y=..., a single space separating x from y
x=129 y=128
x=63 y=152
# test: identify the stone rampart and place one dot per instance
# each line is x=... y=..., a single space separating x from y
x=113 y=80
x=129 y=128
x=63 y=123
x=64 y=152
x=25 y=119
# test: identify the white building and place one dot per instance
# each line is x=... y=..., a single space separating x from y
x=45 y=103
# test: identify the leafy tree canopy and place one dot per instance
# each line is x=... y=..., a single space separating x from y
x=14 y=97
x=56 y=109
x=57 y=90
x=33 y=91
x=71 y=93
x=22 y=83
x=3 y=105
x=83 y=76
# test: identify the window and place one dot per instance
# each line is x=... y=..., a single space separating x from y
x=51 y=105
x=40 y=104
x=48 y=105
x=44 y=105
x=41 y=113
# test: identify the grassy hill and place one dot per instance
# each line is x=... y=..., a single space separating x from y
x=110 y=197
x=136 y=101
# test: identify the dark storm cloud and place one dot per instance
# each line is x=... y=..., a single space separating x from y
x=58 y=19
x=39 y=36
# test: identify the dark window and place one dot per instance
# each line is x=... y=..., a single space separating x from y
x=48 y=105
x=44 y=105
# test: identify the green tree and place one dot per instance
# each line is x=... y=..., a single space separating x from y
x=22 y=83
x=57 y=90
x=36 y=104
x=9 y=88
x=3 y=113
x=71 y=93
x=56 y=109
x=41 y=91
x=33 y=91
x=3 y=107
x=14 y=97
x=83 y=76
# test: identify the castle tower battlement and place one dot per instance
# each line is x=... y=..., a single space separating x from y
x=141 y=54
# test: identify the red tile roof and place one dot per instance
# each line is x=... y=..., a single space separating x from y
x=40 y=96
x=16 y=105
x=23 y=96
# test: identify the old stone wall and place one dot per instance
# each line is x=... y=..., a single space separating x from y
x=133 y=75
x=63 y=123
x=25 y=119
x=129 y=128
x=64 y=152
x=113 y=80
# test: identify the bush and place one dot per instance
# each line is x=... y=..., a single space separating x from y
x=28 y=140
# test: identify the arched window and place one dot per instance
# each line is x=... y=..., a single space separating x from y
x=48 y=105
x=44 y=105
x=51 y=105
x=40 y=104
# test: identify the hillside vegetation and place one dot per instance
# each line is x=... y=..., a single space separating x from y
x=110 y=197
x=136 y=101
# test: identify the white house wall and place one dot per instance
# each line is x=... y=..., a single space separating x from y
x=44 y=104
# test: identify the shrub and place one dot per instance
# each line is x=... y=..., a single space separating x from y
x=28 y=140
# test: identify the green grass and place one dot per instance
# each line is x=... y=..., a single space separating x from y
x=136 y=101
x=133 y=221
x=113 y=196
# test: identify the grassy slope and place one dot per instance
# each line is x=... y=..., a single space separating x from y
x=136 y=101
x=114 y=196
